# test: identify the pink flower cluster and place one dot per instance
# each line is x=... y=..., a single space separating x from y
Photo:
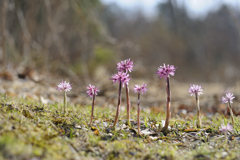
x=195 y=89
x=92 y=90
x=125 y=66
x=141 y=88
x=64 y=86
x=121 y=77
x=166 y=71
x=228 y=98
x=226 y=128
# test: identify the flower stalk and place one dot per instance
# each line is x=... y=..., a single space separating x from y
x=196 y=90
x=92 y=92
x=138 y=89
x=128 y=105
x=64 y=86
x=164 y=72
x=224 y=129
x=199 y=121
x=123 y=79
x=64 y=102
x=126 y=66
x=228 y=99
x=138 y=119
x=165 y=128
x=90 y=124
x=119 y=103
x=231 y=113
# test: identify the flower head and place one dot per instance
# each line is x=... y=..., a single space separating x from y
x=121 y=77
x=92 y=90
x=195 y=89
x=166 y=71
x=226 y=128
x=228 y=98
x=142 y=88
x=125 y=66
x=64 y=86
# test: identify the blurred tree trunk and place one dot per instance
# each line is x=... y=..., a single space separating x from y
x=3 y=4
x=26 y=38
x=54 y=25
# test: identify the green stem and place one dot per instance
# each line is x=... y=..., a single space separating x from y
x=231 y=112
x=64 y=102
x=226 y=138
x=138 y=122
x=199 y=121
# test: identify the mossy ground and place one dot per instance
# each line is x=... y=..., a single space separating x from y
x=30 y=130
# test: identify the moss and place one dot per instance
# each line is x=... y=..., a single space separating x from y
x=29 y=130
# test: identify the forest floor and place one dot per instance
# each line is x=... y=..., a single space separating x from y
x=33 y=126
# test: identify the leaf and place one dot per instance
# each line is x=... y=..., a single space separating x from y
x=191 y=130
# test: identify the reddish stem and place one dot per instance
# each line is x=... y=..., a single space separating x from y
x=231 y=113
x=92 y=109
x=165 y=128
x=128 y=105
x=119 y=103
x=138 y=122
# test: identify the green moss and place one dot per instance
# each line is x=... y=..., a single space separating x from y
x=30 y=130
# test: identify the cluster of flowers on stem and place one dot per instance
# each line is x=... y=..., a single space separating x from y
x=140 y=89
x=195 y=89
x=228 y=98
x=164 y=71
x=92 y=91
x=125 y=66
x=121 y=77
x=64 y=86
x=226 y=128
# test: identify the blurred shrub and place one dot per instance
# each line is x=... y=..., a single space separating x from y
x=103 y=56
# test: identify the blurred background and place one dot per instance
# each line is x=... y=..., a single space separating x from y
x=84 y=39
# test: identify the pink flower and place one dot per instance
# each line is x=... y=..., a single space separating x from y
x=226 y=128
x=142 y=88
x=228 y=98
x=64 y=86
x=121 y=77
x=166 y=71
x=125 y=66
x=92 y=90
x=195 y=89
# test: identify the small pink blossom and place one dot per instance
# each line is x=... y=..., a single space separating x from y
x=64 y=86
x=166 y=71
x=121 y=77
x=228 y=98
x=141 y=88
x=125 y=66
x=195 y=89
x=226 y=128
x=92 y=90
